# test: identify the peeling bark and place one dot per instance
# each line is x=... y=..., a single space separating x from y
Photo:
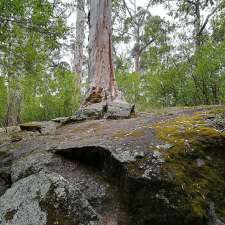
x=103 y=86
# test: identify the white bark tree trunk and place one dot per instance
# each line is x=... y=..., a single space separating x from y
x=137 y=63
x=14 y=103
x=197 y=27
x=79 y=40
x=103 y=87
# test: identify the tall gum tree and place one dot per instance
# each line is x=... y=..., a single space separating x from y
x=79 y=39
x=143 y=29
x=103 y=86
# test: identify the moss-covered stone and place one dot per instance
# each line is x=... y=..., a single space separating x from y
x=197 y=161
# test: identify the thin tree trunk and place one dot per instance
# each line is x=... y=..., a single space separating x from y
x=103 y=86
x=14 y=103
x=137 y=63
x=197 y=27
x=197 y=45
x=80 y=36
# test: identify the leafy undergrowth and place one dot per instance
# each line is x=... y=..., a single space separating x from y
x=196 y=160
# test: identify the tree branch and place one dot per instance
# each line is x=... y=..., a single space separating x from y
x=128 y=9
x=191 y=2
x=146 y=45
x=28 y=25
x=208 y=17
x=124 y=32
x=144 y=14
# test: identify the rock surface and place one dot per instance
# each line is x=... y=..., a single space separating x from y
x=116 y=172
x=113 y=110
x=47 y=127
x=41 y=199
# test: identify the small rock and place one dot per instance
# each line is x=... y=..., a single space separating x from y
x=165 y=147
x=200 y=162
x=139 y=154
x=46 y=127
x=61 y=119
x=119 y=110
x=33 y=126
x=93 y=111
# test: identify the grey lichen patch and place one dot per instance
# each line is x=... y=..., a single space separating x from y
x=148 y=167
x=29 y=165
x=57 y=211
x=45 y=199
x=22 y=198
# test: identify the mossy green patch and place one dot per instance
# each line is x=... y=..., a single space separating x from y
x=197 y=160
x=127 y=133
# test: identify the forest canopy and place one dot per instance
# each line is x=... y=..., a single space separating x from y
x=177 y=59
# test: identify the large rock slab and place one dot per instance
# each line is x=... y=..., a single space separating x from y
x=150 y=169
x=43 y=199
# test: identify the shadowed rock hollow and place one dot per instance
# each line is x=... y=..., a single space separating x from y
x=150 y=170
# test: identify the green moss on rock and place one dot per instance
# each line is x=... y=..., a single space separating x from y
x=197 y=161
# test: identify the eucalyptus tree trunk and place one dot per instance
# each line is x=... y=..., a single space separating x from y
x=197 y=27
x=14 y=102
x=137 y=63
x=103 y=86
x=79 y=40
x=136 y=52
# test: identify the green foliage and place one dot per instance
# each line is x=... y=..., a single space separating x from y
x=51 y=96
x=175 y=84
x=210 y=73
x=31 y=35
x=129 y=83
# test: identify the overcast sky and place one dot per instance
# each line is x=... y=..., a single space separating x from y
x=156 y=10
